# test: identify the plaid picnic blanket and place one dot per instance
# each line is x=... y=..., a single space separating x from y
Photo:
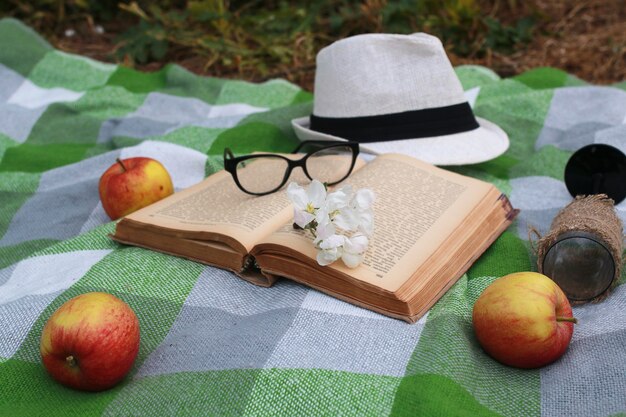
x=212 y=344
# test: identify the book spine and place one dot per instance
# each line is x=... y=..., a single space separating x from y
x=511 y=213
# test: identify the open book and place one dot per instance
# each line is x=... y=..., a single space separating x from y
x=430 y=226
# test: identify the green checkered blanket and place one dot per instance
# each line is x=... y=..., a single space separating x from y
x=213 y=344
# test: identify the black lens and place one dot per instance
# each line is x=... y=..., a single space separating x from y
x=597 y=169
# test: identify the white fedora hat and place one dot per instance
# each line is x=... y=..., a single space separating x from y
x=397 y=93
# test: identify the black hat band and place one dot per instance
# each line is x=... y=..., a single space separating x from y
x=411 y=124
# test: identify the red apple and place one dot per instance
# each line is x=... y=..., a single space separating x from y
x=133 y=183
x=90 y=342
x=523 y=320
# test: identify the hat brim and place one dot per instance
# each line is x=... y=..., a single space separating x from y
x=486 y=142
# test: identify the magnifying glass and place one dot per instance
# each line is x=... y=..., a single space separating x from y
x=581 y=261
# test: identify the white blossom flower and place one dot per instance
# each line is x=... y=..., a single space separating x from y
x=354 y=249
x=364 y=199
x=334 y=204
x=322 y=212
x=339 y=199
x=306 y=202
x=358 y=214
x=348 y=219
x=324 y=230
x=366 y=222
x=330 y=249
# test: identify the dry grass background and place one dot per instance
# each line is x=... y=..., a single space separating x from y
x=586 y=38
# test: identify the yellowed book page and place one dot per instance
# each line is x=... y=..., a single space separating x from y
x=217 y=205
x=417 y=206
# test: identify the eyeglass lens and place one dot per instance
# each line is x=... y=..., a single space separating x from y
x=330 y=165
x=261 y=175
x=323 y=163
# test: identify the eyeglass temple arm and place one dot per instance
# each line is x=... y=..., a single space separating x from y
x=325 y=144
x=321 y=143
x=300 y=146
x=228 y=154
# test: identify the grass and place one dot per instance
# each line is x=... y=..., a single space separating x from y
x=258 y=40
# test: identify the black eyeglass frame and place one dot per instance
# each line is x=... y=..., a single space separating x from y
x=231 y=161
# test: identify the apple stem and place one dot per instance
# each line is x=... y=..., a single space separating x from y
x=569 y=319
x=119 y=161
x=71 y=361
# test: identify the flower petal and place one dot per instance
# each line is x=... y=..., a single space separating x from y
x=347 y=219
x=337 y=200
x=347 y=190
x=302 y=218
x=297 y=195
x=332 y=242
x=366 y=223
x=364 y=198
x=316 y=193
x=324 y=231
x=356 y=244
x=322 y=216
x=351 y=260
x=327 y=257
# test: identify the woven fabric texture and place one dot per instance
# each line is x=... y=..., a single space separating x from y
x=215 y=345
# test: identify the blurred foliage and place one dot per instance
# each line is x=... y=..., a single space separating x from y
x=273 y=38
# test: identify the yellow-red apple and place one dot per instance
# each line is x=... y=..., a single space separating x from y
x=523 y=320
x=91 y=342
x=133 y=183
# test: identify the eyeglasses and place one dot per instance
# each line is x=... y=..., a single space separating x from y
x=329 y=162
